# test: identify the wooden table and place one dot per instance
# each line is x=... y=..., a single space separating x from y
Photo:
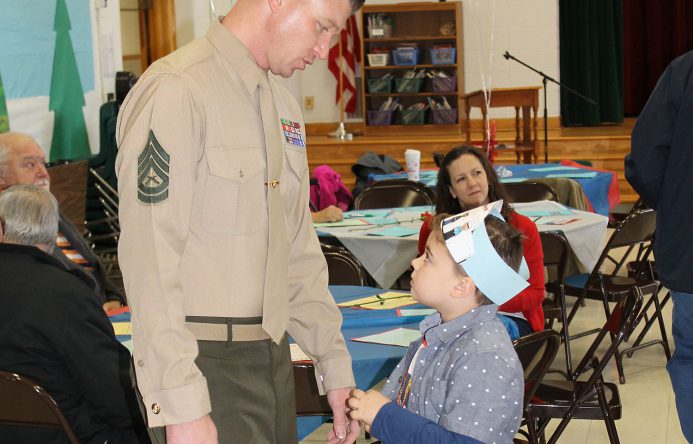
x=526 y=98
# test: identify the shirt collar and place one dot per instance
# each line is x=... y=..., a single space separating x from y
x=445 y=332
x=236 y=53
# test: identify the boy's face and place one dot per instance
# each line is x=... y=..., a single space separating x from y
x=435 y=274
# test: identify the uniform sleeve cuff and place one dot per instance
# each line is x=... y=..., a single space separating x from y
x=334 y=373
x=178 y=405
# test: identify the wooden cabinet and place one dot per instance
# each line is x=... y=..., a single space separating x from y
x=431 y=27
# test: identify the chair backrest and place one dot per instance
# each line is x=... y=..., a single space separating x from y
x=621 y=324
x=27 y=404
x=394 y=193
x=536 y=352
x=636 y=229
x=69 y=186
x=343 y=267
x=529 y=191
x=308 y=399
x=556 y=251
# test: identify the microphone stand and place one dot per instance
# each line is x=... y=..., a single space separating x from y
x=545 y=80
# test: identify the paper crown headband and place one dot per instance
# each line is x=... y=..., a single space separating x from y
x=468 y=242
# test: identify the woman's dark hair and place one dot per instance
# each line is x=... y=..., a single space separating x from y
x=446 y=203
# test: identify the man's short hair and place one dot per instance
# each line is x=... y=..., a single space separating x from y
x=30 y=215
x=356 y=5
x=506 y=240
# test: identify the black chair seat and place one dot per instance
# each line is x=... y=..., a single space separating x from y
x=554 y=398
x=615 y=287
x=551 y=309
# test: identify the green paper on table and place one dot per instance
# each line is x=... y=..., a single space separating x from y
x=368 y=213
x=400 y=337
x=415 y=311
x=380 y=220
x=395 y=232
x=573 y=175
x=384 y=301
x=544 y=213
x=513 y=179
x=343 y=223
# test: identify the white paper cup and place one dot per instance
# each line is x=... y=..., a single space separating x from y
x=413 y=160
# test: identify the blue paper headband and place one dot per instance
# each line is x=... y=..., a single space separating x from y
x=467 y=240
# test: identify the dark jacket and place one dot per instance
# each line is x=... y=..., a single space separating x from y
x=54 y=332
x=660 y=168
x=371 y=163
x=105 y=289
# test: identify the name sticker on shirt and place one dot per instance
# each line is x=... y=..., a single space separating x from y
x=292 y=132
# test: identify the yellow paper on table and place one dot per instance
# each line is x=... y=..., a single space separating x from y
x=383 y=301
x=122 y=328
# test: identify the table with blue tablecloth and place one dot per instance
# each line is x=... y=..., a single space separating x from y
x=596 y=185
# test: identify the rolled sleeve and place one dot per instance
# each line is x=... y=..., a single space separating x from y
x=153 y=237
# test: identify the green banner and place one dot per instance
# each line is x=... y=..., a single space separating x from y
x=4 y=117
x=70 y=139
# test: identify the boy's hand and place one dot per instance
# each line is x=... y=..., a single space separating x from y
x=365 y=406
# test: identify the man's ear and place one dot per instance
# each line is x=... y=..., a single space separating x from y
x=465 y=287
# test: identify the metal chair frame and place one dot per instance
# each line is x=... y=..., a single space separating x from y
x=394 y=193
x=27 y=404
x=529 y=191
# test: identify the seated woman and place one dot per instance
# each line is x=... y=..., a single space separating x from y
x=467 y=180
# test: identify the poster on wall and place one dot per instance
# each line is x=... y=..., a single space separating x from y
x=48 y=73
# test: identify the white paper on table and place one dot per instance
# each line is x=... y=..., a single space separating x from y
x=400 y=337
x=297 y=354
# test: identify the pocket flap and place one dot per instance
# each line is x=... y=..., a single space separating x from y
x=237 y=164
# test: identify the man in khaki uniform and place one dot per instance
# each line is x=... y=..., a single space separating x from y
x=219 y=257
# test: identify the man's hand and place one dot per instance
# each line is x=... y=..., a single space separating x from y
x=112 y=305
x=344 y=431
x=329 y=214
x=199 y=431
x=365 y=406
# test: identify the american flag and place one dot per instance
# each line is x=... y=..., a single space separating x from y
x=351 y=54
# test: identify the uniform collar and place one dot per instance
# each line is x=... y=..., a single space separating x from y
x=236 y=53
x=445 y=332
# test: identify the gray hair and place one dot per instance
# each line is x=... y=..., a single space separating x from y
x=30 y=214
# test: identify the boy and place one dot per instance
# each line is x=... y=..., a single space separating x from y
x=461 y=382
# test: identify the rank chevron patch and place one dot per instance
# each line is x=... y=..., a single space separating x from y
x=152 y=172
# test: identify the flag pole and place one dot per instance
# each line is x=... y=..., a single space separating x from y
x=341 y=132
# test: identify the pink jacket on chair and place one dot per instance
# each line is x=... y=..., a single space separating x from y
x=330 y=190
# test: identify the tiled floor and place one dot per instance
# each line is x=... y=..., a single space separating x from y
x=649 y=410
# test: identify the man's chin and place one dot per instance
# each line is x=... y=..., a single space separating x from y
x=45 y=185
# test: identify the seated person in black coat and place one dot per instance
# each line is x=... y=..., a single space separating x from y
x=54 y=331
x=22 y=162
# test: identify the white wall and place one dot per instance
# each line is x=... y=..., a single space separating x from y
x=528 y=29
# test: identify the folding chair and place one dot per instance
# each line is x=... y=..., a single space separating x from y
x=591 y=399
x=637 y=229
x=27 y=404
x=394 y=193
x=556 y=252
x=536 y=352
x=309 y=402
x=343 y=267
x=529 y=191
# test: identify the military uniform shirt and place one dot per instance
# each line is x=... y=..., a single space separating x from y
x=192 y=174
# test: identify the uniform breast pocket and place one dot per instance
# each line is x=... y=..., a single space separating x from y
x=234 y=193
x=295 y=166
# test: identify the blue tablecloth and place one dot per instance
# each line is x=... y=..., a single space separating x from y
x=596 y=188
x=370 y=362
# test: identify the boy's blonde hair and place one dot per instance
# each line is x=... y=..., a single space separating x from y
x=506 y=240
